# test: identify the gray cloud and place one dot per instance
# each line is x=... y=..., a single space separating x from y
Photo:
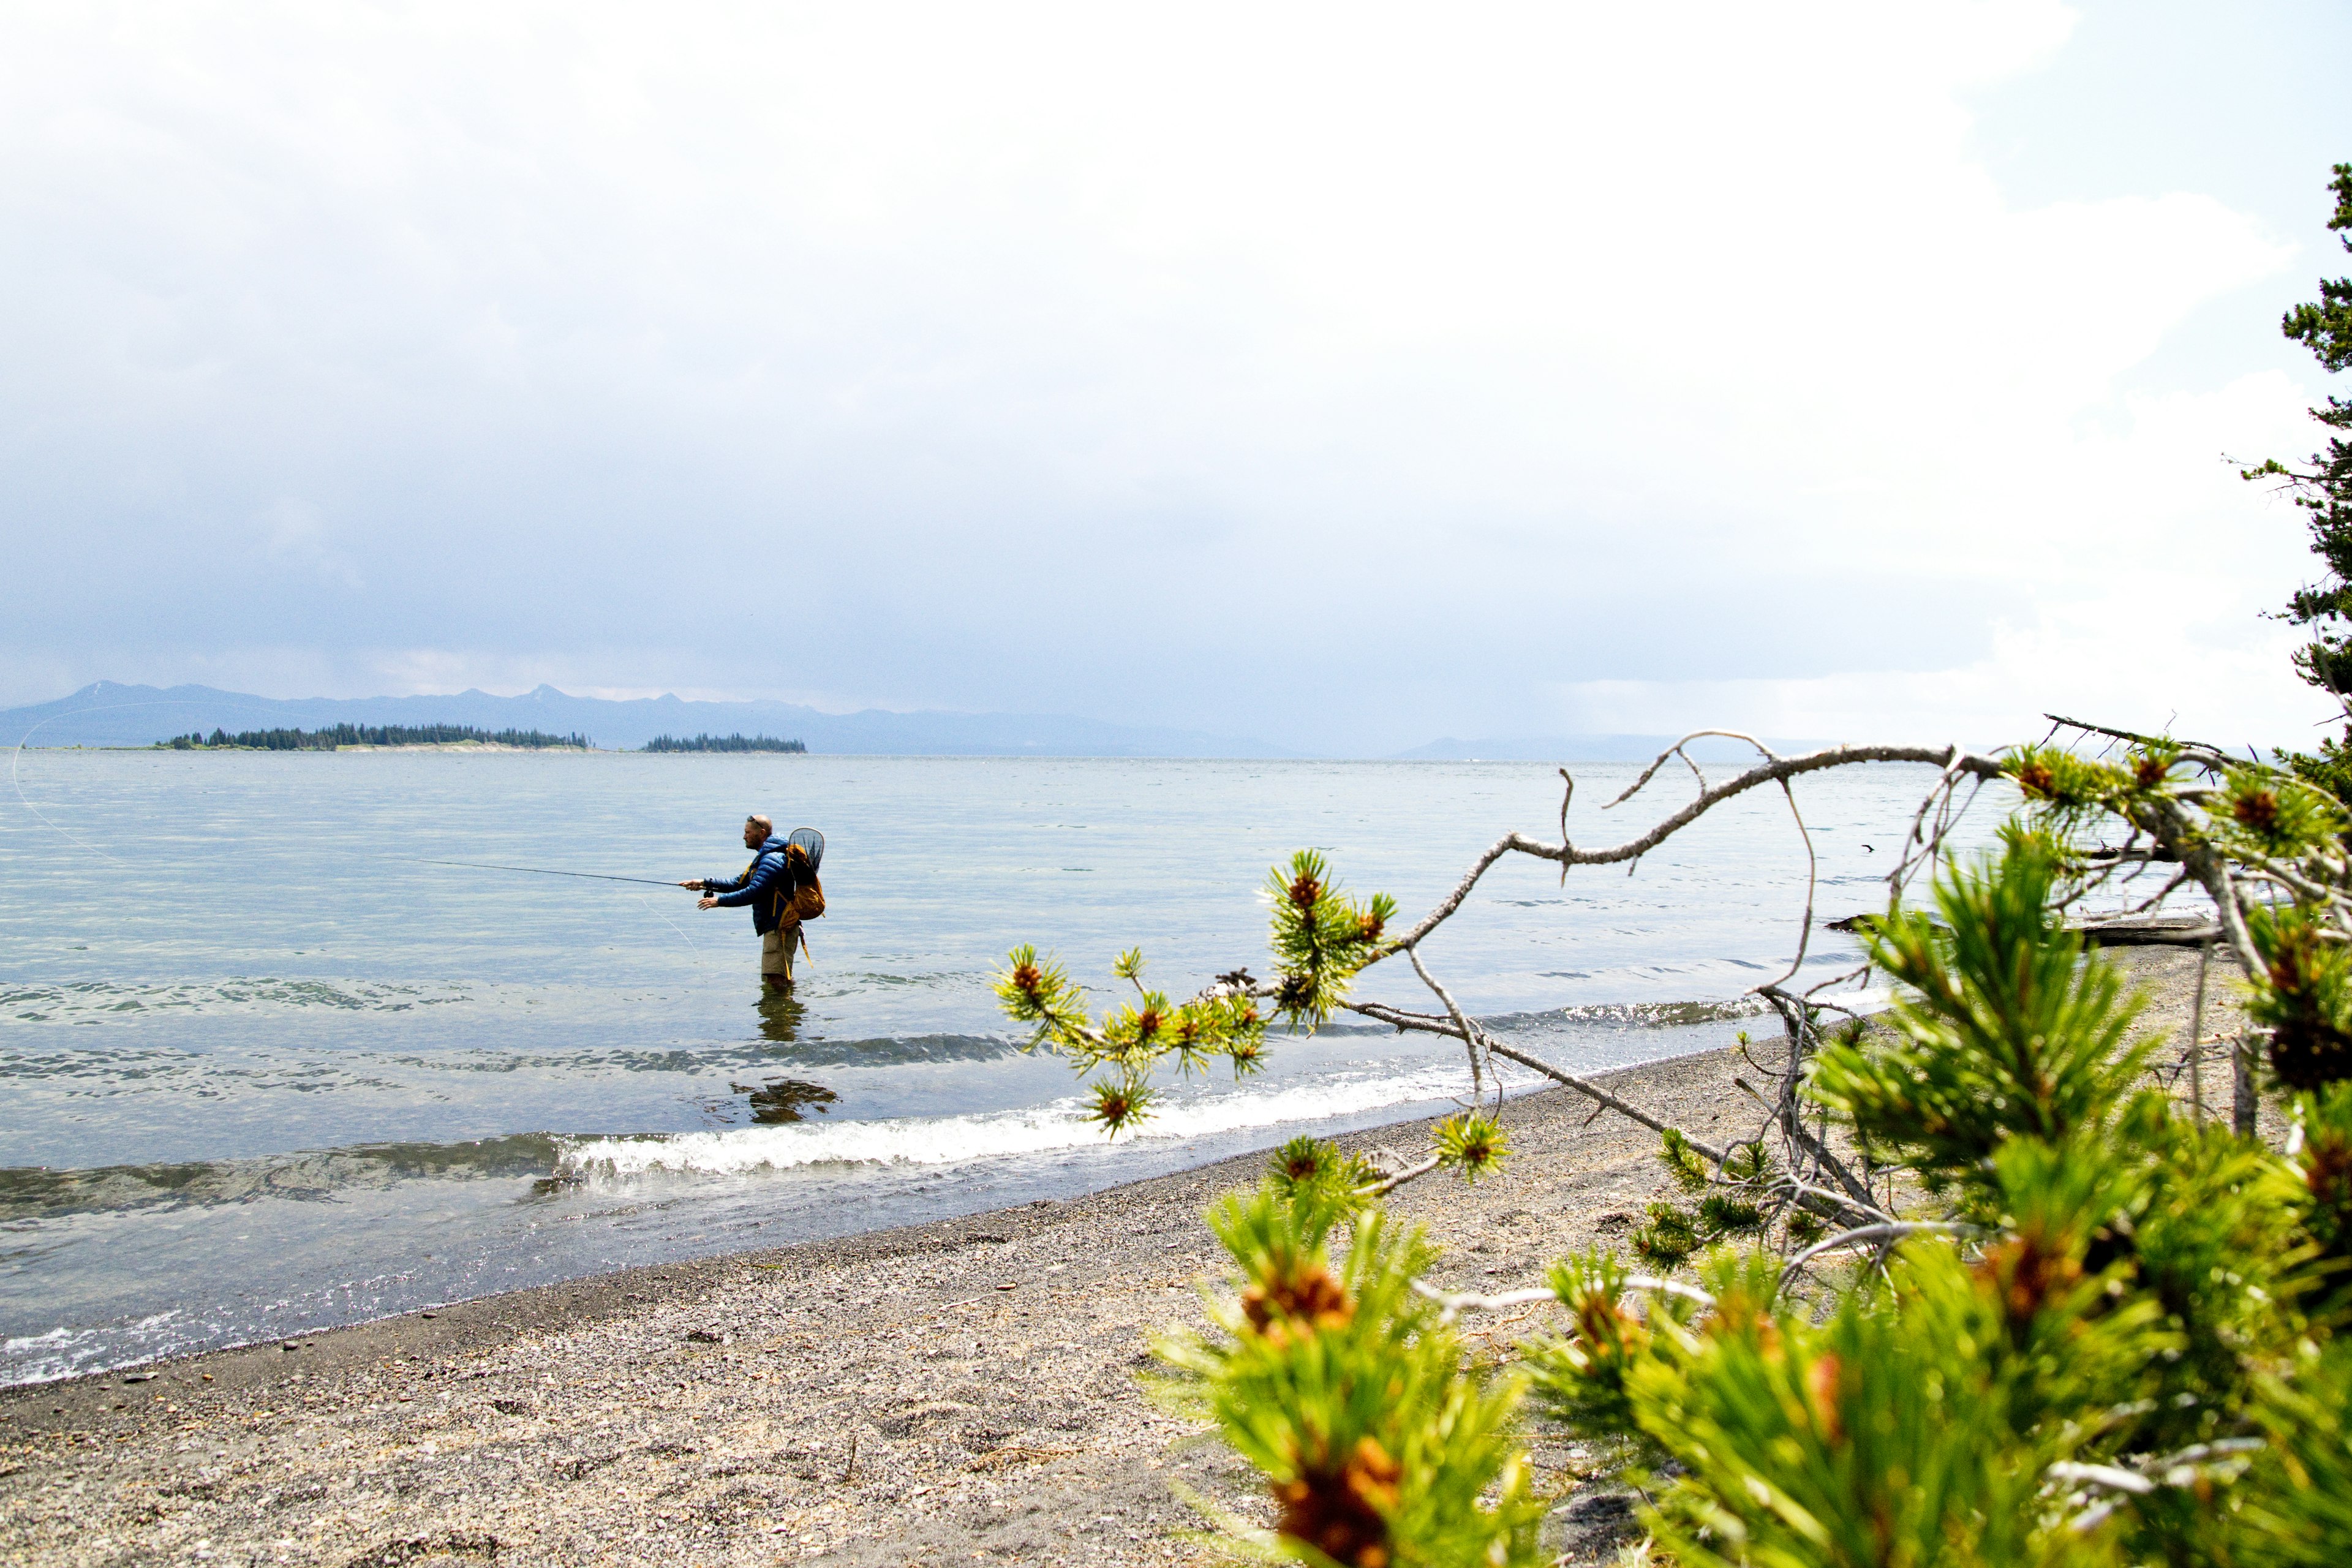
x=1307 y=376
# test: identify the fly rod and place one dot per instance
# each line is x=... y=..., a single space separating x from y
x=537 y=871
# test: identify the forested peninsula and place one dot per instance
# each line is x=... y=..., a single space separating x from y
x=341 y=735
x=723 y=743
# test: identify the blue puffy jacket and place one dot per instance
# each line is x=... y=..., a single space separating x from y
x=765 y=884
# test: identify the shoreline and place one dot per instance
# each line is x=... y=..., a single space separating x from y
x=918 y=1394
x=326 y=751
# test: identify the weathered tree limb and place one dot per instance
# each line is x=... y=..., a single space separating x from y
x=2166 y=821
x=2136 y=738
x=1594 y=1091
x=1807 y=1190
x=1676 y=751
x=1457 y=1302
x=1891 y=1231
x=2137 y=933
x=1462 y=1024
x=1812 y=886
x=1391 y=1183
x=1951 y=758
x=1794 y=1019
x=1428 y=1024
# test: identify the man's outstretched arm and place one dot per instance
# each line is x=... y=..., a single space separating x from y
x=745 y=889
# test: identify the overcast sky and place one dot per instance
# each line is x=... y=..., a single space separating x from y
x=1345 y=377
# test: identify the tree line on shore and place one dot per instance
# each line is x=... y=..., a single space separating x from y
x=327 y=740
x=723 y=743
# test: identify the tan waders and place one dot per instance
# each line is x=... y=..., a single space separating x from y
x=776 y=953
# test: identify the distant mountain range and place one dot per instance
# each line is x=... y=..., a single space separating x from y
x=107 y=713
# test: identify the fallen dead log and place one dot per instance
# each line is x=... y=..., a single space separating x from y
x=2122 y=930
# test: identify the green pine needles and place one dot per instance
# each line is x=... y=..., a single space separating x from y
x=2001 y=1029
x=1320 y=938
x=1133 y=1039
x=1738 y=1198
x=1308 y=1170
x=1980 y=1290
x=1471 y=1145
x=1350 y=1393
x=2094 y=1331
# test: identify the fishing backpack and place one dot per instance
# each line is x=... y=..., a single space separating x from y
x=803 y=852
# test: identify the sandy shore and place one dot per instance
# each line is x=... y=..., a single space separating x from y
x=936 y=1394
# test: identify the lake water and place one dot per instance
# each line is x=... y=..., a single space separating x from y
x=269 y=1070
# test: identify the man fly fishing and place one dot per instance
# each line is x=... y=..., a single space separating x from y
x=780 y=886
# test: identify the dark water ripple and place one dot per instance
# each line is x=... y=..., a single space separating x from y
x=316 y=1176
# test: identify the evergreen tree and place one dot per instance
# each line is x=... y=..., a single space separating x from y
x=2323 y=488
x=329 y=740
x=735 y=743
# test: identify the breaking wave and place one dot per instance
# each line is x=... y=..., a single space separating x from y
x=1062 y=1124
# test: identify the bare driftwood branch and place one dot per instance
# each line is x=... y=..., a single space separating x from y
x=1807 y=1190
x=1805 y=1144
x=1458 y=1303
x=1454 y=1011
x=1676 y=751
x=1890 y=1230
x=1812 y=885
x=1567 y=793
x=2168 y=822
x=1391 y=1183
x=1429 y=1024
x=2137 y=932
x=2111 y=1476
x=2184 y=1468
x=1951 y=758
x=2167 y=826
x=2136 y=738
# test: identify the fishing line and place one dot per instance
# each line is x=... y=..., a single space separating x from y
x=592 y=876
x=693 y=946
x=22 y=799
x=17 y=757
x=540 y=871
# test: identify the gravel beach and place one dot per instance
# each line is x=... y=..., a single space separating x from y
x=949 y=1393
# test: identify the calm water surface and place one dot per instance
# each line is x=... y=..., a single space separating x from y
x=268 y=1070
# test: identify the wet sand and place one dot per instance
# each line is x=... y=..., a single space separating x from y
x=942 y=1393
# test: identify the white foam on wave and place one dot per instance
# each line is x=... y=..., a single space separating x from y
x=954 y=1140
x=68 y=1352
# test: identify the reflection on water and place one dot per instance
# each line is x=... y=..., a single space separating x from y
x=781 y=1014
x=780 y=1099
